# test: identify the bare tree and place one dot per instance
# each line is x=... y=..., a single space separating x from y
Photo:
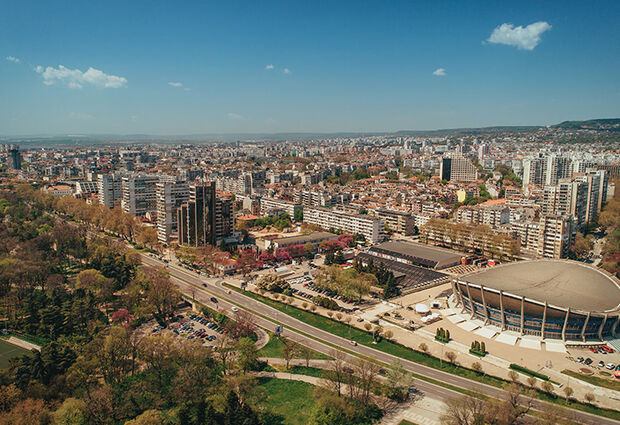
x=423 y=347
x=476 y=367
x=451 y=356
x=224 y=349
x=514 y=376
x=334 y=374
x=531 y=382
x=367 y=372
x=568 y=391
x=306 y=353
x=289 y=350
x=547 y=387
x=589 y=397
x=464 y=411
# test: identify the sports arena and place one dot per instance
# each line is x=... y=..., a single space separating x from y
x=555 y=299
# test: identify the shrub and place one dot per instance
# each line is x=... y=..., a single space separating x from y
x=325 y=302
x=527 y=371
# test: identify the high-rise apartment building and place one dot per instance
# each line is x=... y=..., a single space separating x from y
x=556 y=235
x=205 y=217
x=196 y=218
x=139 y=194
x=110 y=189
x=556 y=168
x=457 y=168
x=16 y=157
x=596 y=187
x=170 y=196
x=567 y=198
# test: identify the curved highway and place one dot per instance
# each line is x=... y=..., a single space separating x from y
x=191 y=285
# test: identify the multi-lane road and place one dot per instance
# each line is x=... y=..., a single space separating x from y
x=191 y=285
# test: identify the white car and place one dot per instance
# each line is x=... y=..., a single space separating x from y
x=610 y=366
x=234 y=308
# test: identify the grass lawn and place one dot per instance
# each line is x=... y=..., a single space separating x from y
x=303 y=370
x=406 y=422
x=8 y=351
x=274 y=349
x=595 y=380
x=293 y=400
x=396 y=349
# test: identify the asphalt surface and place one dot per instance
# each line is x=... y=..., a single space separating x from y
x=191 y=285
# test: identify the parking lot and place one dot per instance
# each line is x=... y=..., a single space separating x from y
x=602 y=357
x=303 y=287
x=193 y=326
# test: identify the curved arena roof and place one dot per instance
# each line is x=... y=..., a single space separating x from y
x=560 y=283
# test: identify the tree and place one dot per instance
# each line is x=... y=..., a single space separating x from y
x=27 y=412
x=247 y=262
x=476 y=367
x=162 y=295
x=547 y=387
x=531 y=382
x=334 y=374
x=464 y=411
x=149 y=417
x=298 y=215
x=95 y=282
x=306 y=353
x=247 y=358
x=589 y=397
x=423 y=347
x=147 y=236
x=115 y=355
x=272 y=283
x=451 y=356
x=289 y=350
x=244 y=325
x=71 y=412
x=514 y=376
x=398 y=381
x=568 y=391
x=388 y=334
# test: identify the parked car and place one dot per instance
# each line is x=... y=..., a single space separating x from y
x=588 y=361
x=601 y=364
x=580 y=359
x=610 y=366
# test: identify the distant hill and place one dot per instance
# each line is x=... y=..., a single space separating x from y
x=609 y=124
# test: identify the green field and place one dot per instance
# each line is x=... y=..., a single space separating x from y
x=595 y=380
x=293 y=400
x=8 y=351
x=274 y=349
x=396 y=349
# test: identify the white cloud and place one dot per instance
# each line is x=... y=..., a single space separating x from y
x=175 y=84
x=233 y=116
x=269 y=67
x=76 y=79
x=440 y=72
x=286 y=71
x=13 y=59
x=523 y=38
x=187 y=89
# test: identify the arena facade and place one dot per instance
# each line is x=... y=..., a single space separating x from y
x=556 y=299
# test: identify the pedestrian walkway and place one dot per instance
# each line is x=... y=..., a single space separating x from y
x=24 y=344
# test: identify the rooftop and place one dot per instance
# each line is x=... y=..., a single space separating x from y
x=558 y=282
x=422 y=254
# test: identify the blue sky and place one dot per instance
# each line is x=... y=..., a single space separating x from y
x=303 y=66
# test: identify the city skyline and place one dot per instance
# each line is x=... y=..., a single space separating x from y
x=239 y=68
